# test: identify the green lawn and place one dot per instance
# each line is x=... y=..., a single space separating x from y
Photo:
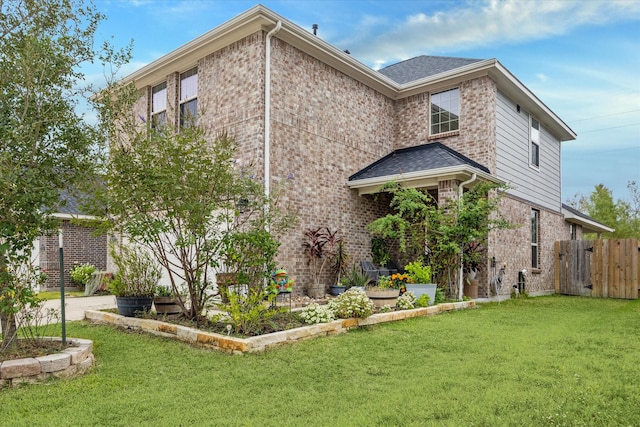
x=56 y=295
x=540 y=361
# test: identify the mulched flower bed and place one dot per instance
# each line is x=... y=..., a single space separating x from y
x=31 y=348
x=280 y=322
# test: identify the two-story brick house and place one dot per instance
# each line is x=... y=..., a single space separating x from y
x=298 y=105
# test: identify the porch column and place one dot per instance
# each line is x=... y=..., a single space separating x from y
x=447 y=190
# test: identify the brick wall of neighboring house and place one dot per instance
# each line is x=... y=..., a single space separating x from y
x=512 y=247
x=80 y=247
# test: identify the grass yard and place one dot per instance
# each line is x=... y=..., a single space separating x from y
x=540 y=361
x=48 y=295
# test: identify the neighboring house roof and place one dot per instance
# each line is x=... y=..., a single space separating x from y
x=423 y=66
x=418 y=166
x=589 y=225
x=259 y=18
x=69 y=207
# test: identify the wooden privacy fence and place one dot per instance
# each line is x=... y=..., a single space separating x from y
x=599 y=268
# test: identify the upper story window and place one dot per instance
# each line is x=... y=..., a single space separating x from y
x=534 y=138
x=159 y=105
x=189 y=98
x=535 y=238
x=445 y=111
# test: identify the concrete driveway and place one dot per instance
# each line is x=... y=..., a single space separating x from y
x=75 y=307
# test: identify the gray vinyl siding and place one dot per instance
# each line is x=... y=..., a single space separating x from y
x=543 y=186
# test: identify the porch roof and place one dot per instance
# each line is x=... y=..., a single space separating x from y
x=421 y=166
x=588 y=224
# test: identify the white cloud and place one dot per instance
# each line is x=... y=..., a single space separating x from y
x=478 y=24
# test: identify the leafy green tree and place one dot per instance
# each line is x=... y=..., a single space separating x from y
x=621 y=215
x=421 y=227
x=44 y=145
x=181 y=194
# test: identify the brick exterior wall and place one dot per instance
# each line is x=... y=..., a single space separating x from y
x=325 y=126
x=80 y=247
x=512 y=248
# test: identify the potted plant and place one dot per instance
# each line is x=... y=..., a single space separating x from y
x=340 y=288
x=165 y=302
x=385 y=292
x=356 y=278
x=420 y=280
x=319 y=245
x=135 y=282
x=340 y=260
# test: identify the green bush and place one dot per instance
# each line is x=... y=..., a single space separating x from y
x=81 y=274
x=418 y=272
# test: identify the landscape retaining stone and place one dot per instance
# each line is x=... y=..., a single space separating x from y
x=69 y=362
x=263 y=342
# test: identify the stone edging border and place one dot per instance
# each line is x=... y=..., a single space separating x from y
x=70 y=362
x=264 y=342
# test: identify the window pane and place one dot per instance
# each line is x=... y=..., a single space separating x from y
x=189 y=84
x=189 y=113
x=159 y=120
x=535 y=154
x=159 y=98
x=445 y=110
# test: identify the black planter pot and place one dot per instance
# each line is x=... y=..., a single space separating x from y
x=335 y=290
x=128 y=306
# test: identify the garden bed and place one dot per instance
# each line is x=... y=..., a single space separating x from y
x=74 y=360
x=264 y=342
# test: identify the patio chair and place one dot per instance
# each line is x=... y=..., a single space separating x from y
x=370 y=270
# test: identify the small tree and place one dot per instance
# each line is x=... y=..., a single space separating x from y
x=421 y=227
x=184 y=197
x=45 y=146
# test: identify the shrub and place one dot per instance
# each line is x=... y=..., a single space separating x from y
x=406 y=301
x=81 y=274
x=316 y=313
x=247 y=314
x=423 y=301
x=418 y=272
x=352 y=303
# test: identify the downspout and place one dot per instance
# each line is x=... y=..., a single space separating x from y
x=461 y=269
x=267 y=111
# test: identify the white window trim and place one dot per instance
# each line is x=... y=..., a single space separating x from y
x=430 y=124
x=155 y=113
x=187 y=99
x=535 y=244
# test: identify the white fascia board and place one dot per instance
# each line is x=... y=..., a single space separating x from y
x=589 y=225
x=420 y=179
x=74 y=216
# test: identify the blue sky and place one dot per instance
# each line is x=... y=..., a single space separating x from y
x=581 y=58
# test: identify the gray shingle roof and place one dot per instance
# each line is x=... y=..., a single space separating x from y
x=69 y=204
x=424 y=157
x=423 y=66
